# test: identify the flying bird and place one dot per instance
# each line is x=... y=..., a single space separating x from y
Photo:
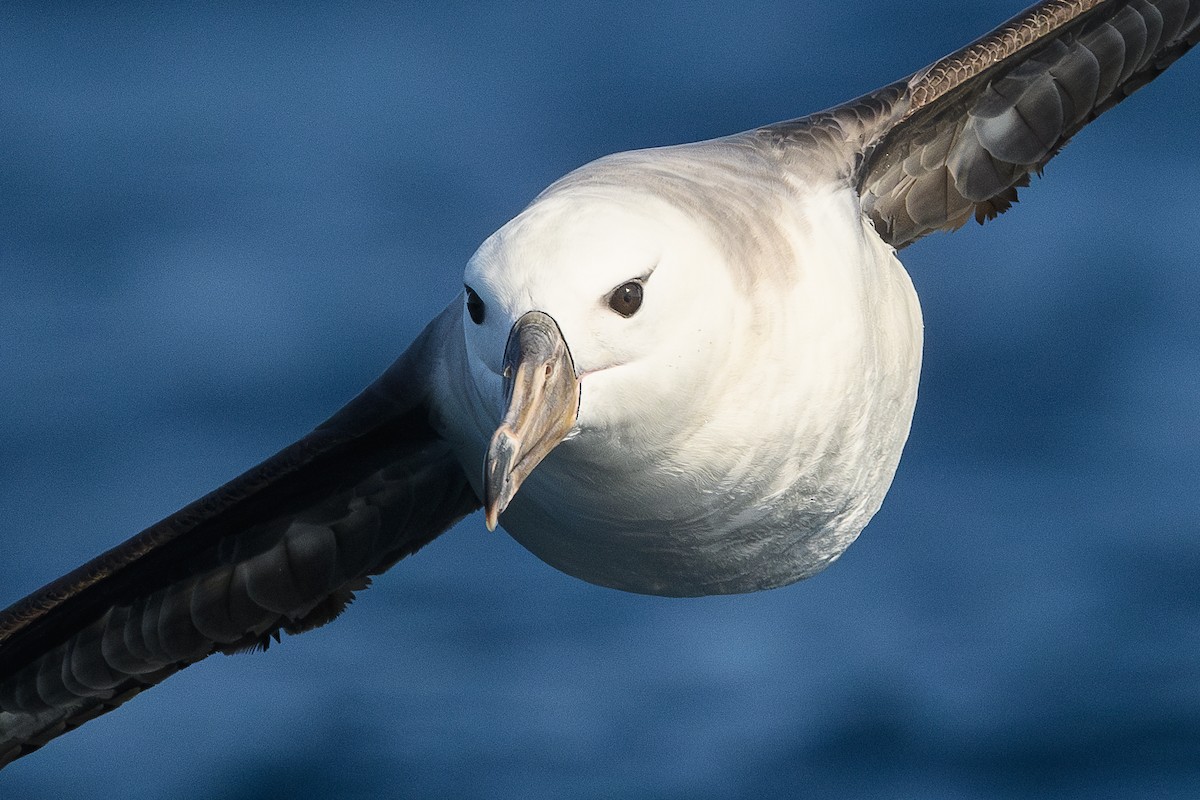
x=682 y=371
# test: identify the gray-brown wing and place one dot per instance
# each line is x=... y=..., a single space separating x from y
x=281 y=548
x=956 y=139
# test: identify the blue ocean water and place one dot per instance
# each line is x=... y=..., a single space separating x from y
x=216 y=225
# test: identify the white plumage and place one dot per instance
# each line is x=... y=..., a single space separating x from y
x=741 y=428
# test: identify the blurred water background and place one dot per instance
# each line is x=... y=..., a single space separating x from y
x=217 y=223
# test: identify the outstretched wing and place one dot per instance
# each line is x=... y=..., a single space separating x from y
x=281 y=548
x=981 y=120
x=955 y=140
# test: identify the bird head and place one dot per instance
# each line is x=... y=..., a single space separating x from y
x=599 y=301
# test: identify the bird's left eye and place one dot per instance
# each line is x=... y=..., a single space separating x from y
x=626 y=299
x=475 y=307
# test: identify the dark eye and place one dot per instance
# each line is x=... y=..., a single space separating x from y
x=626 y=299
x=474 y=306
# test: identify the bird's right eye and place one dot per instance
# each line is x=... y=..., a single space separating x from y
x=475 y=307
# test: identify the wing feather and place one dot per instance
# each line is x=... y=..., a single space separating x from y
x=973 y=126
x=955 y=140
x=281 y=548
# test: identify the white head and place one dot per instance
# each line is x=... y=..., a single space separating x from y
x=630 y=282
x=630 y=258
x=647 y=262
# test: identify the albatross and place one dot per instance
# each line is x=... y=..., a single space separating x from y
x=681 y=371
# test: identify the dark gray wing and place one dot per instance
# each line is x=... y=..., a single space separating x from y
x=955 y=140
x=281 y=548
x=981 y=120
